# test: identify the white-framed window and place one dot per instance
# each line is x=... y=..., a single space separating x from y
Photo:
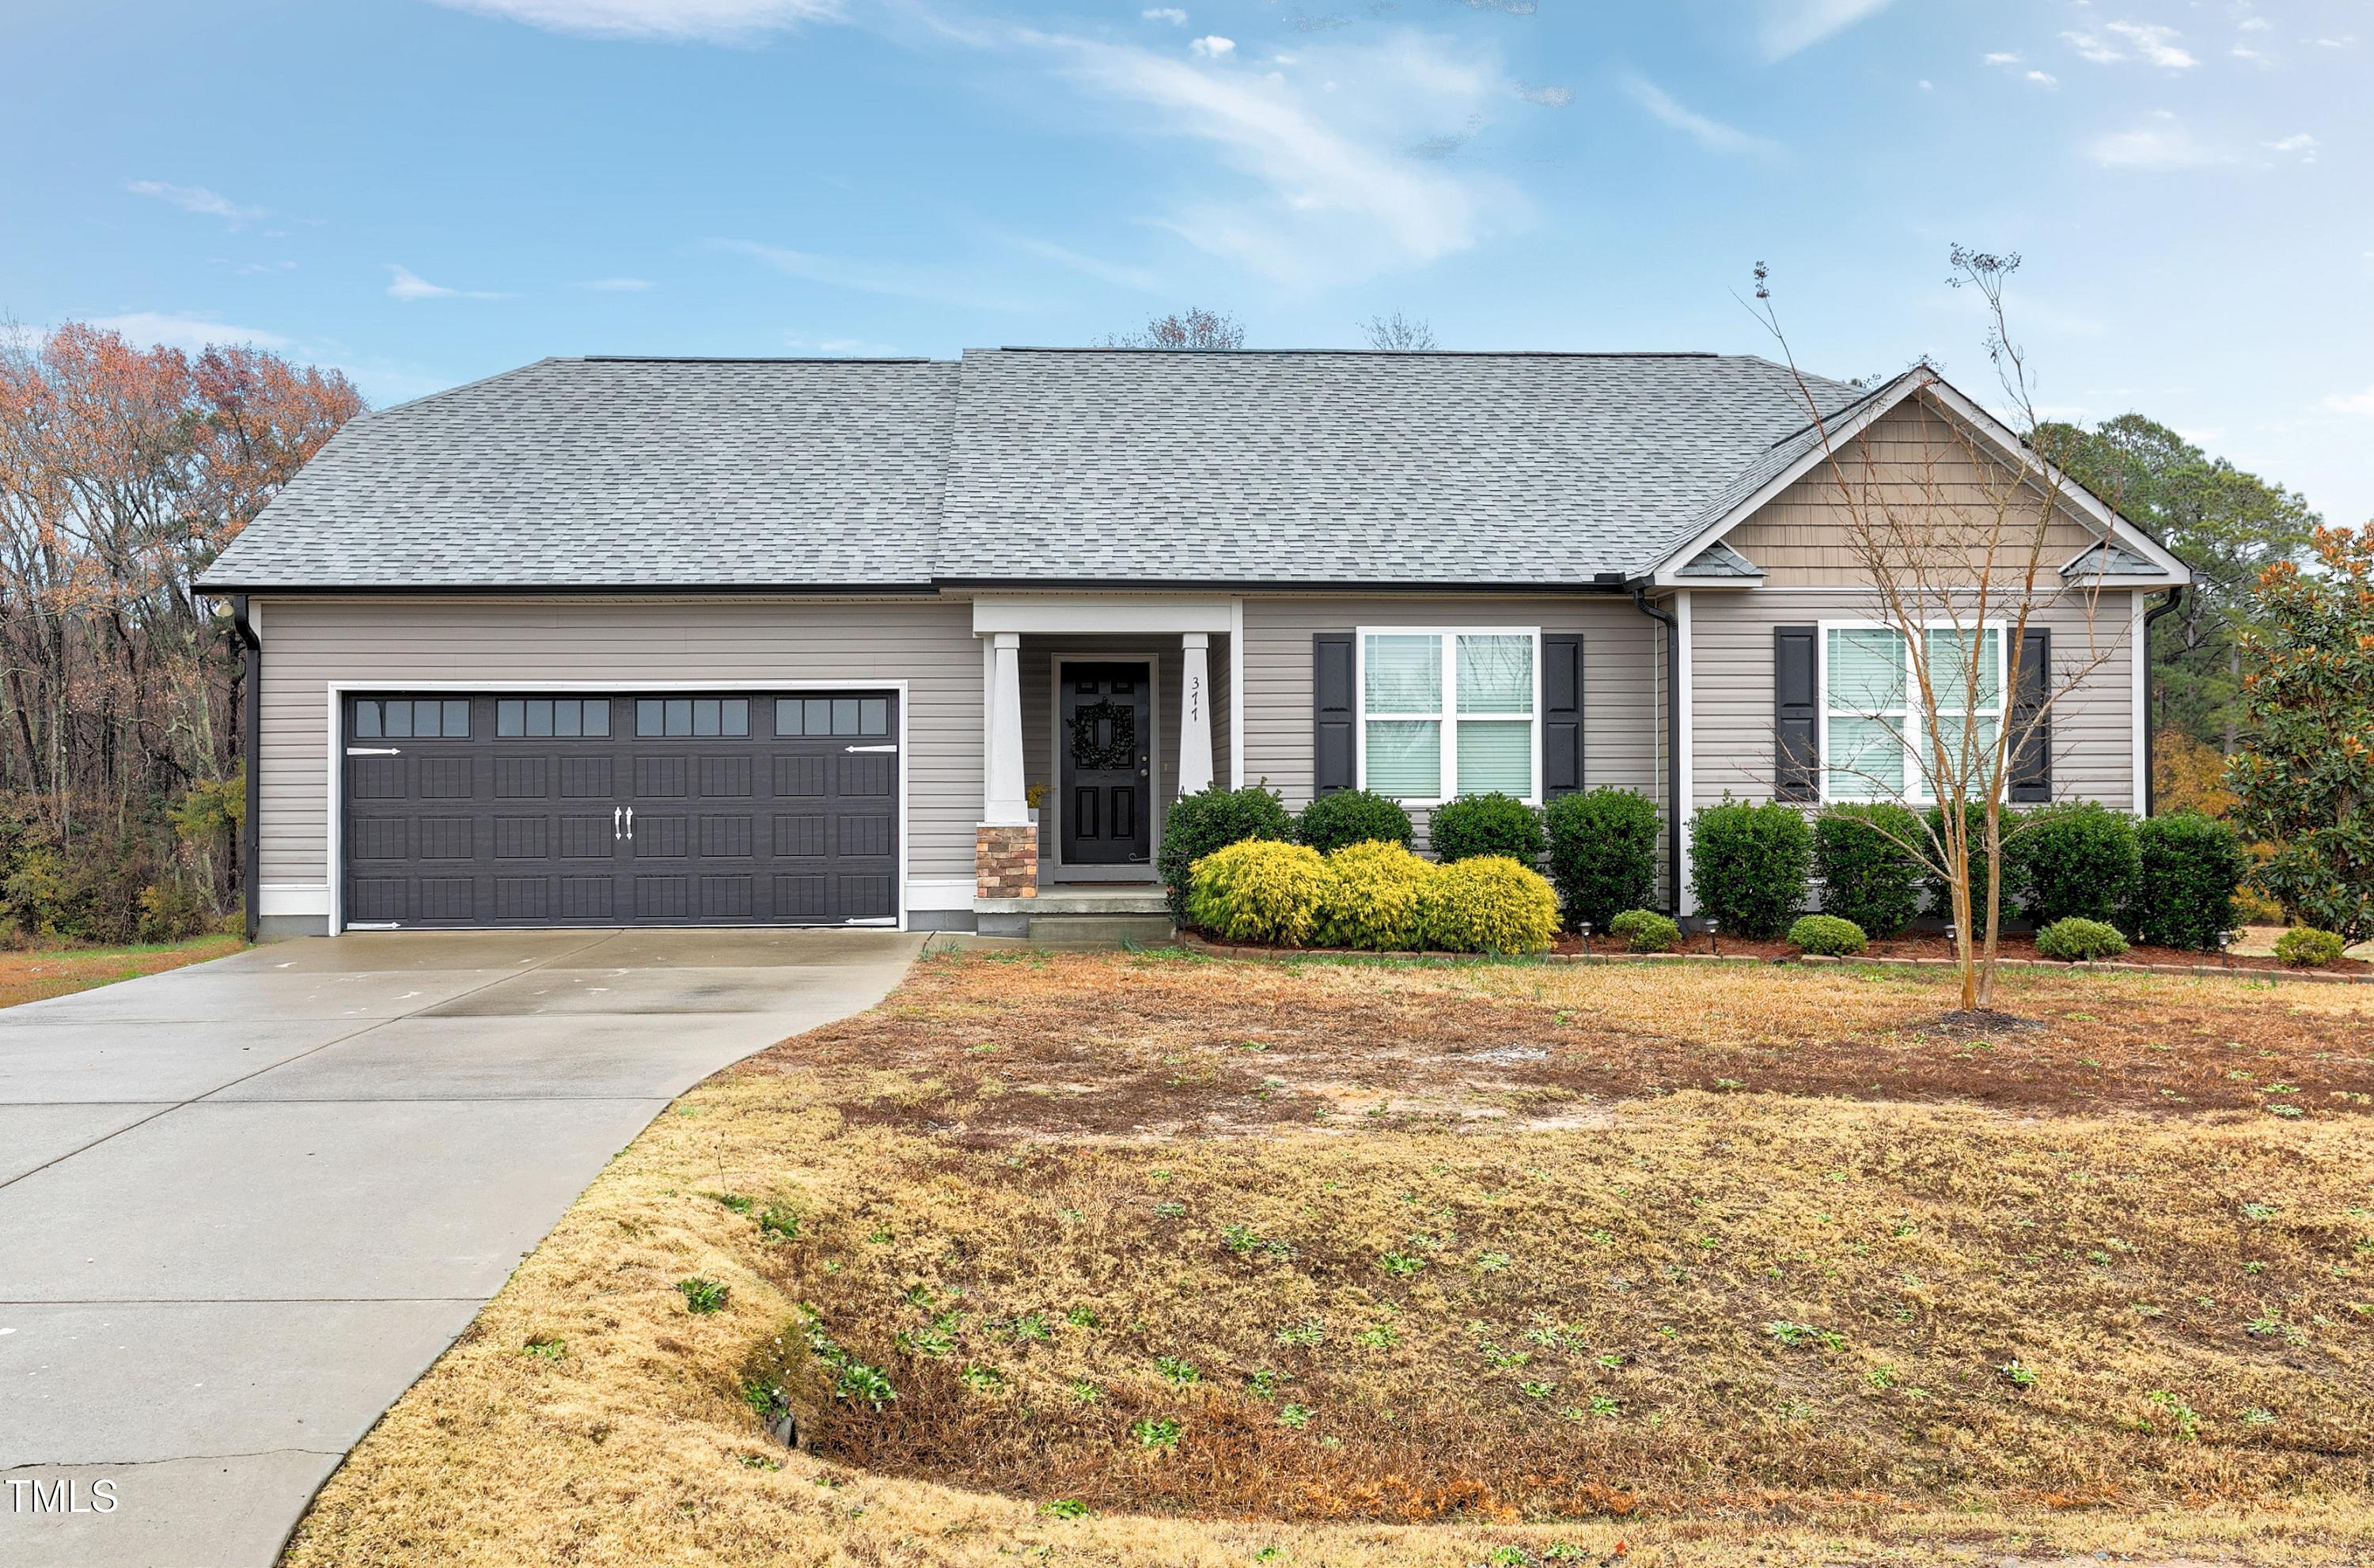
x=1450 y=710
x=1874 y=728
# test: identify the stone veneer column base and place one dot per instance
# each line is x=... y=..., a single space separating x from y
x=1006 y=860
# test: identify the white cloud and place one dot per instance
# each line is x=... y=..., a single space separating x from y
x=1324 y=200
x=1552 y=97
x=405 y=284
x=2353 y=403
x=2161 y=144
x=1999 y=59
x=1213 y=48
x=1712 y=135
x=2301 y=143
x=1114 y=272
x=2043 y=78
x=675 y=21
x=2255 y=24
x=897 y=280
x=169 y=331
x=194 y=198
x=1788 y=26
x=2153 y=44
x=618 y=284
x=1172 y=14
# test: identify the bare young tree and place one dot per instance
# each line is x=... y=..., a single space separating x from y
x=1960 y=545
x=1398 y=333
x=1193 y=328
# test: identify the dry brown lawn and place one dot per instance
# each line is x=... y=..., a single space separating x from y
x=1165 y=1260
x=39 y=973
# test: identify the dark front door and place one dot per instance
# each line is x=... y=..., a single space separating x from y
x=561 y=809
x=1106 y=748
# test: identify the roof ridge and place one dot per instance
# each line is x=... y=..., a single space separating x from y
x=1370 y=353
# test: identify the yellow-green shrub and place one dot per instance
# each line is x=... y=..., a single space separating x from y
x=1259 y=890
x=1377 y=899
x=1489 y=904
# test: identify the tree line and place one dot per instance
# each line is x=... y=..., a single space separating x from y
x=123 y=471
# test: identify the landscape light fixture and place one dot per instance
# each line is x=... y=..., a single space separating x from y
x=1714 y=947
x=1584 y=928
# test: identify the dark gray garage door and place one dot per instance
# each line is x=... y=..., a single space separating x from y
x=552 y=809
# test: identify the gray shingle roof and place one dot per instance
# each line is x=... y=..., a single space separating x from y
x=1720 y=562
x=1036 y=465
x=2110 y=559
x=605 y=473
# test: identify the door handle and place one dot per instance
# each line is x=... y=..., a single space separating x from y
x=616 y=812
x=630 y=824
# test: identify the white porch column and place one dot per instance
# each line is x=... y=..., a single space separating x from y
x=1002 y=797
x=1195 y=713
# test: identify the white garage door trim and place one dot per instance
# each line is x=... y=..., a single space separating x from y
x=335 y=746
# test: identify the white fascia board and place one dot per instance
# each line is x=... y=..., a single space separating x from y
x=1667 y=573
x=1072 y=613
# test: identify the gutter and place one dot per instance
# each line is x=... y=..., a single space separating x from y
x=251 y=733
x=2175 y=597
x=1673 y=735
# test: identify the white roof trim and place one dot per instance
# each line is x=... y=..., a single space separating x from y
x=1868 y=412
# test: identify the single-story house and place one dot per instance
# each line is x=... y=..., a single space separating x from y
x=934 y=644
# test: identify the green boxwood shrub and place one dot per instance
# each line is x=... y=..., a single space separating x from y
x=2077 y=939
x=1749 y=864
x=2304 y=947
x=1602 y=853
x=1212 y=819
x=1826 y=935
x=1351 y=816
x=2188 y=867
x=1486 y=824
x=1489 y=904
x=1868 y=876
x=2078 y=861
x=1645 y=930
x=1257 y=890
x=1377 y=900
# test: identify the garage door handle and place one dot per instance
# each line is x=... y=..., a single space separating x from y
x=616 y=811
x=374 y=751
x=630 y=824
x=869 y=748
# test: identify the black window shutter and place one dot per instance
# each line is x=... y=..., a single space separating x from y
x=1561 y=716
x=2031 y=757
x=1796 y=714
x=1332 y=673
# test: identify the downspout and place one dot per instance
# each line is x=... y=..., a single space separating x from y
x=1673 y=735
x=251 y=733
x=2175 y=597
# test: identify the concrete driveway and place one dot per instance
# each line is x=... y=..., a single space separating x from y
x=243 y=1205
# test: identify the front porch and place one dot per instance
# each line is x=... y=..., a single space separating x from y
x=1098 y=713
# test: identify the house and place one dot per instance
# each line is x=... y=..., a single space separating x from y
x=934 y=644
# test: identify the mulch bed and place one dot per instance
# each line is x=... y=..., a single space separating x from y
x=1933 y=948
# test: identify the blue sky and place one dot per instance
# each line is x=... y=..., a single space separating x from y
x=427 y=190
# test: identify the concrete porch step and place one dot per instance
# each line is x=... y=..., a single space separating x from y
x=1100 y=928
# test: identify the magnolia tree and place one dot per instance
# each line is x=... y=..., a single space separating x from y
x=1941 y=699
x=2306 y=776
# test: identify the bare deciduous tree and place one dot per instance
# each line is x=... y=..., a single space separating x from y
x=1398 y=333
x=1960 y=545
x=1193 y=328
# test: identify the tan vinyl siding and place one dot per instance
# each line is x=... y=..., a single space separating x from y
x=1911 y=460
x=1620 y=652
x=1730 y=686
x=927 y=643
